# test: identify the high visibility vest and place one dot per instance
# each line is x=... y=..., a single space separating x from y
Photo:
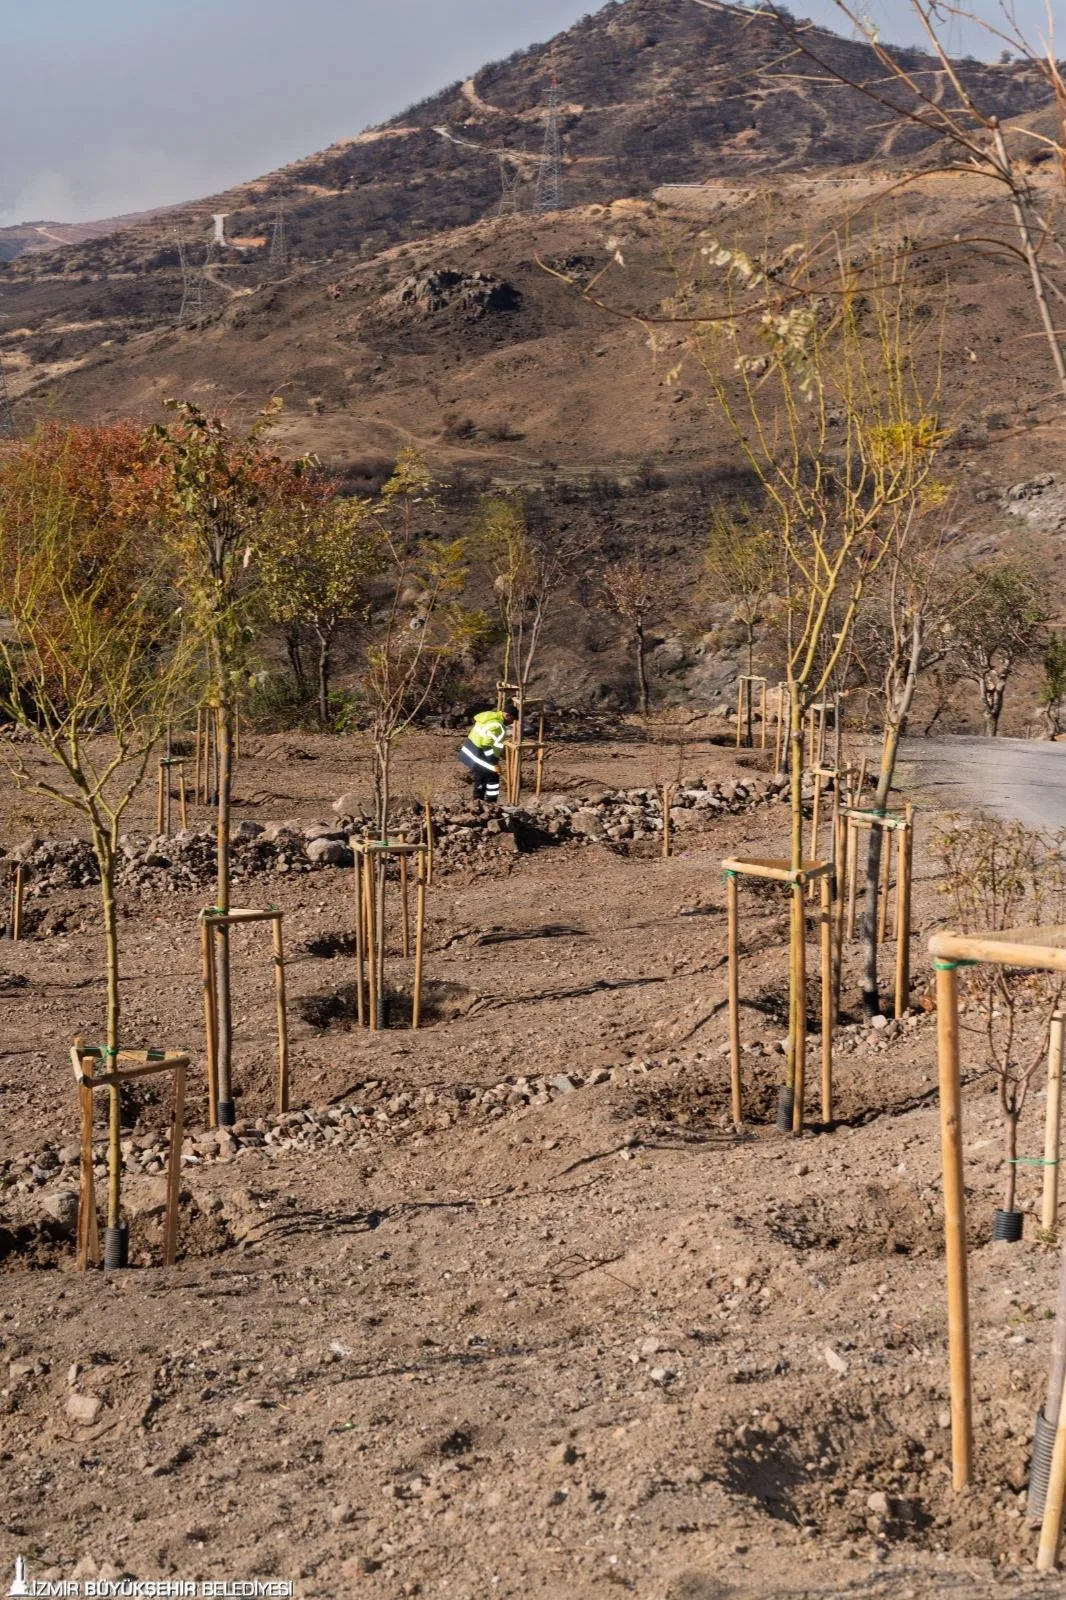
x=489 y=732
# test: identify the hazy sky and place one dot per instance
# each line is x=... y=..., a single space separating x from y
x=118 y=105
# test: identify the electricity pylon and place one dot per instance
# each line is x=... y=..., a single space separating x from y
x=549 y=175
x=279 y=252
x=192 y=288
x=510 y=178
x=7 y=416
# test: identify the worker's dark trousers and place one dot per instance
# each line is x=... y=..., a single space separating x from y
x=486 y=773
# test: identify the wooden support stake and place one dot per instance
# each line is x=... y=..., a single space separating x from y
x=779 y=728
x=420 y=941
x=177 y=1134
x=734 y=998
x=207 y=966
x=904 y=875
x=540 y=757
x=16 y=902
x=283 y=1027
x=816 y=818
x=886 y=878
x=196 y=769
x=799 y=944
x=1047 y=1556
x=182 y=801
x=405 y=912
x=427 y=839
x=160 y=815
x=853 y=876
x=741 y=684
x=360 y=941
x=762 y=716
x=88 y=1226
x=827 y=1000
x=369 y=911
x=1049 y=1215
x=839 y=894
x=947 y=1022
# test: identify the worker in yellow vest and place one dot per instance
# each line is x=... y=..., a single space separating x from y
x=482 y=750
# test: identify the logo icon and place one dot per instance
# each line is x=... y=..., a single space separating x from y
x=19 y=1585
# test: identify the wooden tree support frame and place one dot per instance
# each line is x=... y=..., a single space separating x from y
x=165 y=796
x=371 y=870
x=1034 y=950
x=212 y=921
x=511 y=785
x=206 y=759
x=746 y=707
x=840 y=778
x=514 y=750
x=902 y=825
x=205 y=771
x=129 y=1065
x=820 y=872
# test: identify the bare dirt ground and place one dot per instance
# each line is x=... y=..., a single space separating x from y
x=458 y=1337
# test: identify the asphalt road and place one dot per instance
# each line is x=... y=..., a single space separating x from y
x=1010 y=778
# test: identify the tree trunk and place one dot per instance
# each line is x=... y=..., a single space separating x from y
x=749 y=737
x=382 y=784
x=294 y=650
x=324 y=663
x=895 y=721
x=992 y=693
x=795 y=746
x=642 y=671
x=226 y=1116
x=103 y=845
x=1010 y=1154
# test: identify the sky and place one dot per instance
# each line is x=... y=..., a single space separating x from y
x=108 y=106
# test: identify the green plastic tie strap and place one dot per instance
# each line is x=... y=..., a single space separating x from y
x=950 y=966
x=1031 y=1161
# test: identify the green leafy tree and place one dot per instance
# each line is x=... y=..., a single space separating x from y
x=999 y=623
x=215 y=486
x=424 y=630
x=317 y=556
x=1054 y=685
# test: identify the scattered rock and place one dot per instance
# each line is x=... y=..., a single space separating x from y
x=84 y=1409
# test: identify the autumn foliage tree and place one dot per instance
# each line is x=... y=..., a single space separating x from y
x=96 y=659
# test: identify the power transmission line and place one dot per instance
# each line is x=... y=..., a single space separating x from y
x=549 y=176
